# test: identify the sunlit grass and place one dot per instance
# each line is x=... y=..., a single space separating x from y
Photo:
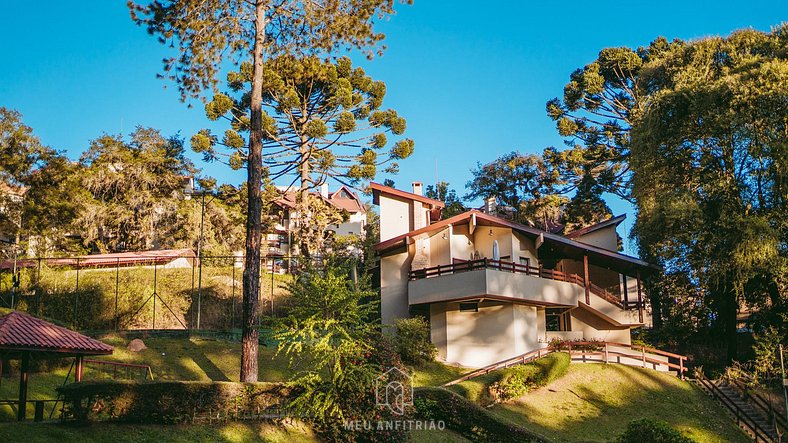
x=107 y=432
x=594 y=402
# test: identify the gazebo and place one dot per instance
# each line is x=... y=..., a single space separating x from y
x=22 y=335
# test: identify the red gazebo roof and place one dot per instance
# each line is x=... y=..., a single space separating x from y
x=23 y=332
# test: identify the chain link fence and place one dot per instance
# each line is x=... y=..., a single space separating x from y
x=157 y=292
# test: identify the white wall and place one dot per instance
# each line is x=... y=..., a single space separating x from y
x=459 y=243
x=440 y=253
x=605 y=238
x=395 y=217
x=394 y=286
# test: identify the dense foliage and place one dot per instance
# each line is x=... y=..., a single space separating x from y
x=412 y=340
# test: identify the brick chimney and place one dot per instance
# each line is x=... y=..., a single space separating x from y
x=324 y=189
x=418 y=188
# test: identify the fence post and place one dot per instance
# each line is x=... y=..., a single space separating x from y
x=232 y=298
x=606 y=355
x=681 y=368
x=643 y=351
x=38 y=287
x=76 y=297
x=117 y=282
x=155 y=281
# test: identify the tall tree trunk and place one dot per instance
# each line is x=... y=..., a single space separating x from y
x=305 y=221
x=730 y=308
x=254 y=166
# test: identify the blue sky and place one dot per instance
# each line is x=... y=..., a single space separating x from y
x=472 y=78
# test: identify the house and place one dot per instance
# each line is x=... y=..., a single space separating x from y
x=287 y=217
x=493 y=289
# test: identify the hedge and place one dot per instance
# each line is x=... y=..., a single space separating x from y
x=467 y=418
x=168 y=402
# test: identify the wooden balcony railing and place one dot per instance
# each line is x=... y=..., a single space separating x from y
x=506 y=266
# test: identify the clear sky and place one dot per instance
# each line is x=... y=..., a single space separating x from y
x=472 y=78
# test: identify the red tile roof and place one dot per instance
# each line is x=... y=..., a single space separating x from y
x=160 y=256
x=23 y=332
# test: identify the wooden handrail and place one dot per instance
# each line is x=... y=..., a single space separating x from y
x=538 y=353
x=506 y=266
x=764 y=404
x=520 y=359
x=117 y=364
x=741 y=417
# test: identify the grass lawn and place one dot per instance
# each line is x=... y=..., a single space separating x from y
x=104 y=432
x=436 y=374
x=434 y=436
x=594 y=402
x=170 y=359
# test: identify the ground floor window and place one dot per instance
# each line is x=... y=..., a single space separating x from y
x=557 y=319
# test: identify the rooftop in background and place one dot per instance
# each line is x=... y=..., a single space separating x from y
x=23 y=332
x=343 y=198
x=159 y=257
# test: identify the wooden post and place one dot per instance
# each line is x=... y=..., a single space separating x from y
x=78 y=369
x=606 y=355
x=587 y=282
x=626 y=293
x=25 y=368
x=681 y=371
x=640 y=299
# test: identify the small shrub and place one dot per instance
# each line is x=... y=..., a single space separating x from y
x=518 y=380
x=650 y=431
x=413 y=341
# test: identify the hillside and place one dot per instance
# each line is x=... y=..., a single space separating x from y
x=594 y=403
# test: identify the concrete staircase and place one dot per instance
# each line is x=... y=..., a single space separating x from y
x=750 y=419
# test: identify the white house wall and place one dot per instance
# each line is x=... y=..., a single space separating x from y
x=460 y=247
x=394 y=286
x=397 y=219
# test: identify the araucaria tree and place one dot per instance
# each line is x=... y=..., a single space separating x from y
x=209 y=33
x=322 y=120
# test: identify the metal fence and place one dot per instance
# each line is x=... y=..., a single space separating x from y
x=157 y=293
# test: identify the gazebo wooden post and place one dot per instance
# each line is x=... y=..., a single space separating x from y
x=25 y=368
x=78 y=369
x=586 y=279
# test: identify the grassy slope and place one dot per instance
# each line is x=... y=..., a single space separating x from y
x=594 y=402
x=104 y=432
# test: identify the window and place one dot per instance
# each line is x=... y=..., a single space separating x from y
x=469 y=307
x=525 y=261
x=557 y=319
x=506 y=258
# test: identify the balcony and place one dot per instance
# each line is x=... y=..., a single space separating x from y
x=506 y=280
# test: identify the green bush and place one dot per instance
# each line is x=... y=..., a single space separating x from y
x=650 y=431
x=413 y=341
x=168 y=402
x=467 y=418
x=518 y=380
